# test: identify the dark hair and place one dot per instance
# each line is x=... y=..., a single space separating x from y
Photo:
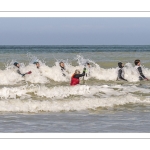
x=15 y=64
x=120 y=64
x=136 y=61
x=87 y=63
x=61 y=62
x=36 y=62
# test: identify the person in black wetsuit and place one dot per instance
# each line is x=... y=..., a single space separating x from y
x=37 y=64
x=120 y=72
x=75 y=77
x=139 y=70
x=88 y=69
x=18 y=71
x=62 y=66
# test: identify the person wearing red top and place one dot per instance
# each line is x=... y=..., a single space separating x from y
x=75 y=77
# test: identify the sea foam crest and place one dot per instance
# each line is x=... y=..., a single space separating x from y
x=73 y=105
x=45 y=73
x=61 y=92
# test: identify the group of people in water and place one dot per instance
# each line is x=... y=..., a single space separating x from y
x=75 y=79
x=137 y=63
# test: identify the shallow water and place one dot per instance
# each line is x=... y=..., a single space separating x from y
x=44 y=101
x=124 y=120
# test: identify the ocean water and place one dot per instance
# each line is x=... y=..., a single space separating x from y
x=44 y=101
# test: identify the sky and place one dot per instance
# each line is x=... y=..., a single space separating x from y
x=74 y=31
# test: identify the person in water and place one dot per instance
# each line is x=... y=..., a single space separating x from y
x=88 y=69
x=139 y=70
x=37 y=64
x=18 y=71
x=62 y=66
x=120 y=72
x=75 y=77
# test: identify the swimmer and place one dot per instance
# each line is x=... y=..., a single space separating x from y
x=37 y=64
x=120 y=72
x=88 y=69
x=139 y=70
x=75 y=77
x=18 y=71
x=62 y=66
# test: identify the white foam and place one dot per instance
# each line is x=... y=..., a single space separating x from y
x=60 y=92
x=36 y=76
x=34 y=98
x=45 y=74
x=9 y=77
x=18 y=105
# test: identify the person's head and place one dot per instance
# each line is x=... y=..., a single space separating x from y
x=77 y=71
x=17 y=64
x=88 y=64
x=61 y=64
x=137 y=62
x=37 y=64
x=120 y=65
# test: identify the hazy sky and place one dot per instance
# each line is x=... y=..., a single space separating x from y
x=74 y=31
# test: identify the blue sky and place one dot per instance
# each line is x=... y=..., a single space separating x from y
x=75 y=31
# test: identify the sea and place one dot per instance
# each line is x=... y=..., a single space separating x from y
x=44 y=101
